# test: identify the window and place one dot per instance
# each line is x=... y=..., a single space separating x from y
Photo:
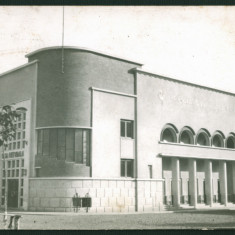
x=150 y=171
x=127 y=129
x=70 y=144
x=230 y=143
x=203 y=139
x=126 y=168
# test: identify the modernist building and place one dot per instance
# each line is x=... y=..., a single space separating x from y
x=134 y=140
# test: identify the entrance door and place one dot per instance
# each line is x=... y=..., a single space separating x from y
x=12 y=198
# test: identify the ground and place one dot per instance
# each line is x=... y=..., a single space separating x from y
x=197 y=219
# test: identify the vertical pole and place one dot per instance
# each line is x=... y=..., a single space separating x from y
x=62 y=57
x=6 y=189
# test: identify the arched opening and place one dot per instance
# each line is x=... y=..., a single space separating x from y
x=203 y=139
x=217 y=141
x=230 y=143
x=186 y=136
x=169 y=135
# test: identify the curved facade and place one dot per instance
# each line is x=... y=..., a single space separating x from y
x=132 y=140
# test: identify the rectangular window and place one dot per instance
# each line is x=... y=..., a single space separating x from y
x=61 y=144
x=127 y=129
x=3 y=183
x=53 y=143
x=14 y=145
x=39 y=147
x=24 y=116
x=13 y=163
x=10 y=146
x=19 y=125
x=22 y=182
x=45 y=147
x=19 y=135
x=24 y=125
x=13 y=173
x=78 y=146
x=21 y=202
x=150 y=171
x=70 y=145
x=127 y=168
x=17 y=163
x=17 y=173
x=18 y=145
x=8 y=164
x=22 y=162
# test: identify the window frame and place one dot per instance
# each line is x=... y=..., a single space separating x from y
x=126 y=160
x=126 y=121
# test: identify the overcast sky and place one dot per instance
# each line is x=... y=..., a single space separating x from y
x=195 y=44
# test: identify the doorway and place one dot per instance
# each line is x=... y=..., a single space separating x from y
x=12 y=199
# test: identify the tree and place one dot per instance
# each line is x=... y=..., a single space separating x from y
x=8 y=116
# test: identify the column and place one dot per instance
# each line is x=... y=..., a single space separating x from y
x=208 y=181
x=223 y=182
x=193 y=181
x=233 y=176
x=175 y=163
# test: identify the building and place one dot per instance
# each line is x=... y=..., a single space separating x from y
x=132 y=139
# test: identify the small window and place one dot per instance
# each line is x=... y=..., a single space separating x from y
x=19 y=135
x=150 y=171
x=37 y=172
x=127 y=129
x=126 y=168
x=21 y=202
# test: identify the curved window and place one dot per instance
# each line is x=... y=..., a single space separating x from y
x=169 y=135
x=186 y=136
x=217 y=141
x=203 y=139
x=70 y=144
x=230 y=143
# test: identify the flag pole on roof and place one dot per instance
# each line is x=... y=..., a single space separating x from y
x=62 y=56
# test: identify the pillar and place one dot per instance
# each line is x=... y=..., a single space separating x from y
x=193 y=182
x=233 y=179
x=223 y=182
x=208 y=181
x=175 y=181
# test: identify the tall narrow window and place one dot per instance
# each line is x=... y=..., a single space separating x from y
x=127 y=129
x=127 y=168
x=150 y=171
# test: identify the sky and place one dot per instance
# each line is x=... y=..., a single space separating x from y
x=194 y=44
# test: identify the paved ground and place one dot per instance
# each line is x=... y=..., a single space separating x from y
x=199 y=219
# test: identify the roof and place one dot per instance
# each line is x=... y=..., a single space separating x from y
x=83 y=49
x=181 y=81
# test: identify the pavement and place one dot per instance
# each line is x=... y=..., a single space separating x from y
x=189 y=219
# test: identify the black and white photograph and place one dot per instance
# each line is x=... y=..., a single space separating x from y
x=117 y=117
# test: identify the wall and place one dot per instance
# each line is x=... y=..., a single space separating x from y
x=108 y=110
x=64 y=99
x=108 y=195
x=17 y=88
x=162 y=101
